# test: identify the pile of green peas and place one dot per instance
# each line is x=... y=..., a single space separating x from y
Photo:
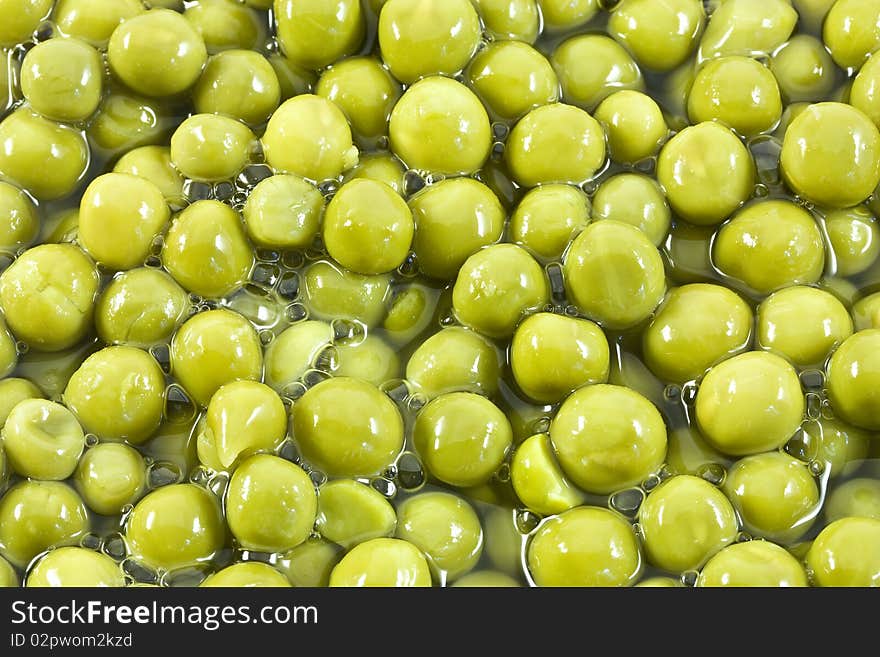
x=439 y=292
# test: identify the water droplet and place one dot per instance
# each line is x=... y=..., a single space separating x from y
x=410 y=474
x=91 y=440
x=412 y=182
x=627 y=501
x=162 y=354
x=689 y=392
x=817 y=468
x=384 y=486
x=179 y=408
x=163 y=473
x=526 y=521
x=714 y=473
x=114 y=547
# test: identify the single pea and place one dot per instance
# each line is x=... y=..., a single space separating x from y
x=453 y=219
x=214 y=348
x=372 y=360
x=440 y=126
x=19 y=219
x=851 y=31
x=567 y=14
x=350 y=513
x=365 y=91
x=19 y=19
x=292 y=78
x=753 y=563
x=769 y=245
x=245 y=417
x=332 y=292
x=585 y=546
x=119 y=217
x=593 y=66
x=61 y=227
x=547 y=218
x=659 y=582
x=614 y=274
x=846 y=553
x=125 y=121
x=38 y=515
x=270 y=504
x=383 y=167
x=454 y=359
x=634 y=123
x=747 y=27
x=413 y=308
x=855 y=239
x=8 y=576
x=309 y=136
x=157 y=53
x=831 y=155
x=75 y=566
x=316 y=33
x=696 y=327
x=840 y=447
x=689 y=453
x=311 y=562
x=462 y=437
x=719 y=90
x=608 y=437
x=864 y=92
x=210 y=147
x=93 y=21
x=700 y=157
x=61 y=79
x=8 y=350
x=539 y=481
x=853 y=380
x=45 y=158
x=866 y=312
x=110 y=476
x=175 y=526
x=246 y=574
x=684 y=521
x=294 y=351
x=486 y=579
x=154 y=164
x=368 y=227
x=226 y=25
x=510 y=19
x=382 y=562
x=496 y=287
x=47 y=296
x=283 y=211
x=660 y=35
x=12 y=391
x=803 y=324
x=206 y=249
x=750 y=403
x=857 y=498
x=42 y=440
x=446 y=529
x=552 y=355
x=804 y=69
x=239 y=83
x=347 y=428
x=633 y=198
x=811 y=13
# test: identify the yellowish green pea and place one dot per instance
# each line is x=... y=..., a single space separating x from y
x=634 y=123
x=292 y=78
x=93 y=21
x=8 y=576
x=75 y=567
x=454 y=359
x=853 y=380
x=294 y=351
x=636 y=199
x=840 y=447
x=856 y=498
x=350 y=513
x=803 y=69
x=539 y=481
x=864 y=92
x=19 y=220
x=310 y=563
x=383 y=167
x=866 y=312
x=382 y=562
x=110 y=476
x=247 y=574
x=61 y=79
x=283 y=211
x=855 y=239
x=566 y=14
x=125 y=121
x=8 y=350
x=21 y=18
x=372 y=360
x=548 y=217
x=486 y=579
x=846 y=553
x=753 y=563
x=331 y=292
x=42 y=440
x=851 y=32
x=412 y=310
x=811 y=13
x=211 y=147
x=510 y=19
x=225 y=25
x=317 y=33
x=661 y=35
x=238 y=83
x=747 y=27
x=154 y=163
x=12 y=391
x=659 y=582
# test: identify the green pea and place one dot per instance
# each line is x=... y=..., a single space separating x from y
x=660 y=35
x=19 y=19
x=462 y=437
x=310 y=562
x=93 y=21
x=853 y=377
x=485 y=579
x=38 y=515
x=110 y=476
x=838 y=446
x=157 y=53
x=292 y=78
x=225 y=25
x=846 y=553
x=283 y=211
x=19 y=220
x=154 y=163
x=548 y=217
x=382 y=562
x=317 y=33
x=866 y=312
x=383 y=167
x=270 y=504
x=360 y=441
x=855 y=239
x=246 y=574
x=8 y=350
x=566 y=14
x=811 y=13
x=8 y=576
x=539 y=481
x=125 y=121
x=75 y=566
x=453 y=219
x=210 y=147
x=591 y=67
x=350 y=513
x=372 y=360
x=454 y=360
x=238 y=83
x=753 y=563
x=851 y=32
x=700 y=157
x=659 y=582
x=294 y=351
x=634 y=123
x=635 y=199
x=61 y=79
x=510 y=19
x=332 y=292
x=804 y=69
x=689 y=453
x=863 y=94
x=747 y=27
x=13 y=391
x=42 y=440
x=585 y=546
x=214 y=348
x=440 y=126
x=608 y=437
x=857 y=498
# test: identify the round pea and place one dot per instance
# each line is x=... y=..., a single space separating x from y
x=293 y=78
x=332 y=292
x=270 y=504
x=157 y=53
x=246 y=574
x=608 y=437
x=125 y=121
x=750 y=403
x=659 y=582
x=838 y=446
x=811 y=13
x=660 y=35
x=350 y=513
x=462 y=437
x=866 y=312
x=93 y=21
x=309 y=136
x=547 y=218
x=294 y=351
x=831 y=155
x=591 y=67
x=747 y=27
x=316 y=33
x=853 y=380
x=486 y=578
x=47 y=296
x=214 y=348
x=510 y=19
x=61 y=79
x=846 y=553
x=753 y=563
x=700 y=157
x=42 y=440
x=38 y=515
x=347 y=428
x=497 y=286
x=8 y=350
x=372 y=360
x=110 y=476
x=225 y=24
x=803 y=69
x=440 y=126
x=175 y=526
x=585 y=546
x=770 y=245
x=614 y=274
x=567 y=14
x=851 y=31
x=864 y=92
x=75 y=566
x=19 y=19
x=454 y=359
x=211 y=147
x=283 y=211
x=636 y=199
x=539 y=481
x=453 y=219
x=154 y=164
x=368 y=227
x=45 y=158
x=239 y=83
x=8 y=576
x=310 y=562
x=855 y=239
x=19 y=220
x=12 y=391
x=857 y=498
x=634 y=123
x=382 y=562
x=383 y=167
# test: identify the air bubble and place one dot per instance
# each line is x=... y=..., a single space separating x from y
x=328 y=188
x=218 y=483
x=557 y=281
x=313 y=377
x=114 y=547
x=265 y=274
x=646 y=165
x=153 y=262
x=266 y=337
x=503 y=473
x=254 y=174
x=295 y=312
x=293 y=391
x=627 y=501
x=410 y=474
x=689 y=392
x=139 y=572
x=812 y=379
x=184 y=577
x=813 y=406
x=224 y=191
x=200 y=476
x=289 y=452
x=714 y=473
x=162 y=354
x=413 y=182
x=196 y=191
x=292 y=259
x=651 y=483
x=526 y=521
x=288 y=286
x=802 y=446
x=497 y=152
x=396 y=389
x=90 y=542
x=409 y=267
x=689 y=578
x=384 y=486
x=328 y=359
x=318 y=478
x=163 y=473
x=91 y=440
x=541 y=425
x=179 y=408
x=500 y=131
x=743 y=537
x=348 y=332
x=817 y=468
x=672 y=392
x=416 y=402
x=157 y=245
x=44 y=32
